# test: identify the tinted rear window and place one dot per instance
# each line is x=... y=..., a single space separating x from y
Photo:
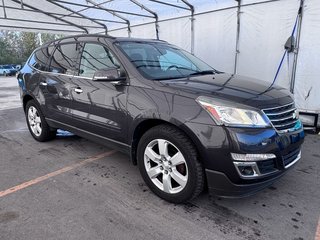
x=39 y=59
x=64 y=59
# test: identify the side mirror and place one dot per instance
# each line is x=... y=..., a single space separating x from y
x=109 y=75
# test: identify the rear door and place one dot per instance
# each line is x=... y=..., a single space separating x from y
x=99 y=107
x=59 y=82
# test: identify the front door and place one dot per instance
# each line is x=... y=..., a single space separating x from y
x=99 y=107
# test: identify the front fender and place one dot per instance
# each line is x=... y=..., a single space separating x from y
x=162 y=107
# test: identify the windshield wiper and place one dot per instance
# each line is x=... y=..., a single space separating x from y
x=205 y=72
x=168 y=78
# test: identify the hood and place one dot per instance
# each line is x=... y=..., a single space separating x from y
x=234 y=88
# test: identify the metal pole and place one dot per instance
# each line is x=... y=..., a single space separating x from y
x=63 y=15
x=86 y=8
x=80 y=14
x=238 y=37
x=51 y=15
x=191 y=7
x=40 y=29
x=45 y=22
x=169 y=4
x=152 y=12
x=99 y=6
x=4 y=10
x=113 y=13
x=296 y=48
x=192 y=33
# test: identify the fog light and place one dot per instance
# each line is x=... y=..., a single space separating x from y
x=246 y=171
x=252 y=157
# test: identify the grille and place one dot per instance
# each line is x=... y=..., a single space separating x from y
x=290 y=157
x=283 y=117
x=266 y=166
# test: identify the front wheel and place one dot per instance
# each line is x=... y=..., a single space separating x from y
x=168 y=162
x=37 y=124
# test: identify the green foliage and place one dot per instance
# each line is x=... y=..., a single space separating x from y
x=16 y=47
x=47 y=37
x=29 y=43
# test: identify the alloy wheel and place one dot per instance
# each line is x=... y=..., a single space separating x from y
x=34 y=121
x=166 y=166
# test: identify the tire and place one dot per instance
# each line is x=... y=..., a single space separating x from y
x=37 y=124
x=173 y=173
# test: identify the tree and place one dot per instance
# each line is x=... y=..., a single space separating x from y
x=16 y=47
x=30 y=42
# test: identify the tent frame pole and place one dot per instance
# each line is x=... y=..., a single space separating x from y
x=4 y=9
x=192 y=19
x=86 y=8
x=150 y=11
x=113 y=13
x=96 y=6
x=51 y=15
x=169 y=4
x=62 y=15
x=80 y=14
x=296 y=48
x=41 y=29
x=236 y=58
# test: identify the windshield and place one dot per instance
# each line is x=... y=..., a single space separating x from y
x=160 y=61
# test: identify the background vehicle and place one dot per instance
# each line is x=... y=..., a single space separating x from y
x=184 y=123
x=7 y=70
x=4 y=71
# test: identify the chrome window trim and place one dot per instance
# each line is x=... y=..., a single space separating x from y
x=61 y=74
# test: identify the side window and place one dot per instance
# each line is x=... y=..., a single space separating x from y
x=96 y=57
x=64 y=59
x=39 y=59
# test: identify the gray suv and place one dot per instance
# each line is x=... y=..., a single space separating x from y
x=186 y=125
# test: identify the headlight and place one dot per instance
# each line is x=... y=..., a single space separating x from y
x=232 y=116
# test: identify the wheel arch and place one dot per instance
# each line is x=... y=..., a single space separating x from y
x=147 y=124
x=26 y=99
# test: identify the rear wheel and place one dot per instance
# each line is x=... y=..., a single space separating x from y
x=37 y=124
x=168 y=162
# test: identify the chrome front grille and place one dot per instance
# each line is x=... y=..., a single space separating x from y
x=283 y=117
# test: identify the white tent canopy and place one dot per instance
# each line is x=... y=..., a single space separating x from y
x=246 y=37
x=73 y=16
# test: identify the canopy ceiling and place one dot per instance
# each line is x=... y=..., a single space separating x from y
x=94 y=16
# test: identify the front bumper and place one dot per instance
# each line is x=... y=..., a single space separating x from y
x=223 y=177
x=219 y=184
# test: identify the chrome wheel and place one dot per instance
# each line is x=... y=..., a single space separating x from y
x=34 y=121
x=166 y=166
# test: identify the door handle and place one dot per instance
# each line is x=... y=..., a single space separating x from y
x=78 y=90
x=43 y=84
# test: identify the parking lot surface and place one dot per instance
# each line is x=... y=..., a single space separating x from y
x=72 y=188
